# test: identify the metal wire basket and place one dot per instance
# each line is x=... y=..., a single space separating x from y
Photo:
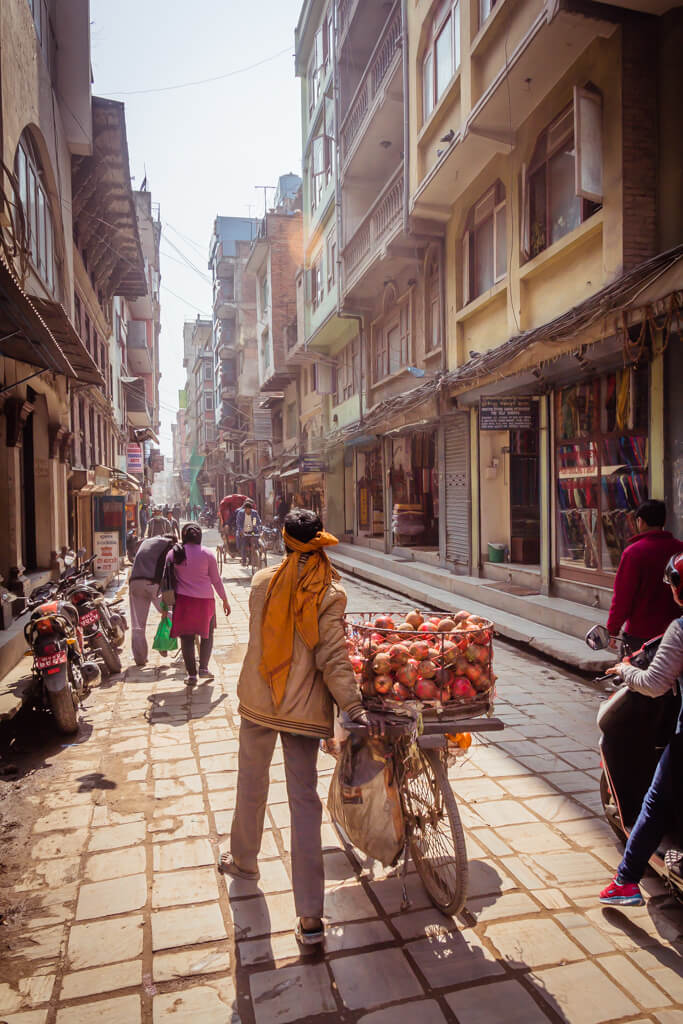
x=443 y=672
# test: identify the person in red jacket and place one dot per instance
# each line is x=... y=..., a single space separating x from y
x=642 y=604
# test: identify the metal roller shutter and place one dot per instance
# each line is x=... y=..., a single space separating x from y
x=458 y=495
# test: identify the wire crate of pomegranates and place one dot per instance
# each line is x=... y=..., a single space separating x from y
x=442 y=662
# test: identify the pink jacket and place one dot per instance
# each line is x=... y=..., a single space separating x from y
x=198 y=575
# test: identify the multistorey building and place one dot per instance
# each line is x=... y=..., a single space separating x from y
x=497 y=184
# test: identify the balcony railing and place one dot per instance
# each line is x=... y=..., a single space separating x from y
x=386 y=53
x=379 y=223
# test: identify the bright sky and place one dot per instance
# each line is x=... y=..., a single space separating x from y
x=203 y=147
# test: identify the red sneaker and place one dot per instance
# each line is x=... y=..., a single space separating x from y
x=616 y=895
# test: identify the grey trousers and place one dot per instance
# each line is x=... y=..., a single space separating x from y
x=141 y=593
x=257 y=744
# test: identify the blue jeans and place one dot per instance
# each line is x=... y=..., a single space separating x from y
x=657 y=812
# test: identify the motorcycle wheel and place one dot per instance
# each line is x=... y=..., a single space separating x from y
x=118 y=629
x=64 y=709
x=610 y=808
x=110 y=657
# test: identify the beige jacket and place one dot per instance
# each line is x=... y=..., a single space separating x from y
x=317 y=679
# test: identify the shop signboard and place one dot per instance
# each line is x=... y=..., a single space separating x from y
x=512 y=413
x=312 y=464
x=134 y=458
x=106 y=547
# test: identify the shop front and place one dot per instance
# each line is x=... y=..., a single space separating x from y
x=601 y=465
x=312 y=484
x=414 y=488
x=369 y=491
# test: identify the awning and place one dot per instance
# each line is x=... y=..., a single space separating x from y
x=270 y=401
x=125 y=481
x=145 y=434
x=362 y=441
x=25 y=335
x=289 y=473
x=93 y=489
x=55 y=316
x=422 y=426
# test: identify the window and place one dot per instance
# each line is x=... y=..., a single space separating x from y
x=485 y=8
x=331 y=259
x=37 y=212
x=319 y=63
x=563 y=184
x=265 y=294
x=322 y=153
x=208 y=401
x=433 y=304
x=44 y=31
x=265 y=349
x=316 y=289
x=391 y=339
x=442 y=56
x=484 y=244
x=348 y=372
x=208 y=371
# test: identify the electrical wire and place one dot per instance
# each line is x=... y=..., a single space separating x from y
x=200 y=248
x=201 y=81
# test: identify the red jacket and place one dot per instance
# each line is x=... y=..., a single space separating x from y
x=642 y=602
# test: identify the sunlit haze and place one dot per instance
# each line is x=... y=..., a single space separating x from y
x=203 y=148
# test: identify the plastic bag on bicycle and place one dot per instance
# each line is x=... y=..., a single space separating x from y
x=364 y=800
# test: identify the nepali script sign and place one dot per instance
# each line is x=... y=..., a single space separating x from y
x=106 y=552
x=507 y=413
x=134 y=458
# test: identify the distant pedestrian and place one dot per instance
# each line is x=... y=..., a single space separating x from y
x=642 y=603
x=143 y=590
x=194 y=612
x=158 y=524
x=144 y=519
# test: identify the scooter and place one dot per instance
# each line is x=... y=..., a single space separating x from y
x=635 y=729
x=61 y=676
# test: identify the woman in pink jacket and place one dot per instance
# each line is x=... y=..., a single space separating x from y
x=194 y=613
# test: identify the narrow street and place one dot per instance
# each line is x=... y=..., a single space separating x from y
x=113 y=911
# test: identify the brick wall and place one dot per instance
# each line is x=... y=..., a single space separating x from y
x=285 y=234
x=640 y=139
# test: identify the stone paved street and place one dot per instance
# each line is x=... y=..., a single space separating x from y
x=115 y=914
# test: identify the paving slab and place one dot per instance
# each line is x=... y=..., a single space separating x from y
x=295 y=993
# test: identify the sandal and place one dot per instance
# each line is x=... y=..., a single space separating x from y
x=227 y=866
x=309 y=938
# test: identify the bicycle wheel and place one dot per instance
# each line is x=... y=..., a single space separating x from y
x=219 y=558
x=435 y=832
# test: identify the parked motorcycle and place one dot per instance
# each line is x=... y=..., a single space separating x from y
x=273 y=540
x=103 y=628
x=635 y=729
x=61 y=675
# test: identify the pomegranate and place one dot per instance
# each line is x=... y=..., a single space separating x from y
x=356 y=663
x=408 y=673
x=419 y=649
x=426 y=627
x=383 y=683
x=463 y=688
x=427 y=669
x=377 y=638
x=399 y=655
x=435 y=653
x=404 y=628
x=415 y=619
x=392 y=638
x=446 y=625
x=473 y=673
x=381 y=664
x=384 y=622
x=460 y=617
x=444 y=677
x=401 y=692
x=425 y=690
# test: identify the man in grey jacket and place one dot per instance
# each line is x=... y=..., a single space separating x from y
x=143 y=589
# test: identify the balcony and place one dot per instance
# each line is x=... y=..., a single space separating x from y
x=375 y=114
x=380 y=226
x=225 y=338
x=139 y=355
x=137 y=409
x=224 y=301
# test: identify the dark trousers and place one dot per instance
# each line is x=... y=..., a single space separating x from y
x=187 y=646
x=257 y=744
x=656 y=815
x=634 y=643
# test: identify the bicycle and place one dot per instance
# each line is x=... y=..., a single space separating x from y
x=434 y=834
x=220 y=558
x=255 y=556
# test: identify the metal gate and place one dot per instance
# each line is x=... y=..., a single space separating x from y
x=458 y=493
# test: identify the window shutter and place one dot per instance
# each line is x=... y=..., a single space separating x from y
x=525 y=243
x=466 y=267
x=500 y=254
x=588 y=143
x=318 y=155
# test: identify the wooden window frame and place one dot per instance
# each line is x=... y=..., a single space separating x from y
x=429 y=65
x=580 y=123
x=398 y=316
x=38 y=216
x=492 y=205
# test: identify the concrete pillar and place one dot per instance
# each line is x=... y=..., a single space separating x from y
x=46 y=509
x=657 y=427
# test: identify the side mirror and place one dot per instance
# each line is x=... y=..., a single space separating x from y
x=598 y=638
x=81 y=552
x=69 y=560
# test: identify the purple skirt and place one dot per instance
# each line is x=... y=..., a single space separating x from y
x=192 y=616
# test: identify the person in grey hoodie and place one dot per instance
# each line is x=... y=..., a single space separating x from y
x=143 y=589
x=663 y=799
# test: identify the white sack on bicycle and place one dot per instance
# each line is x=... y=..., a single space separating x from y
x=365 y=802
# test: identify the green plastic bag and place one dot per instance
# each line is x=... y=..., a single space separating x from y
x=163 y=641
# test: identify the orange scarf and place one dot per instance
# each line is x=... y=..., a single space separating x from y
x=292 y=602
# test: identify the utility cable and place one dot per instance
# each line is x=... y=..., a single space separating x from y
x=201 y=81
